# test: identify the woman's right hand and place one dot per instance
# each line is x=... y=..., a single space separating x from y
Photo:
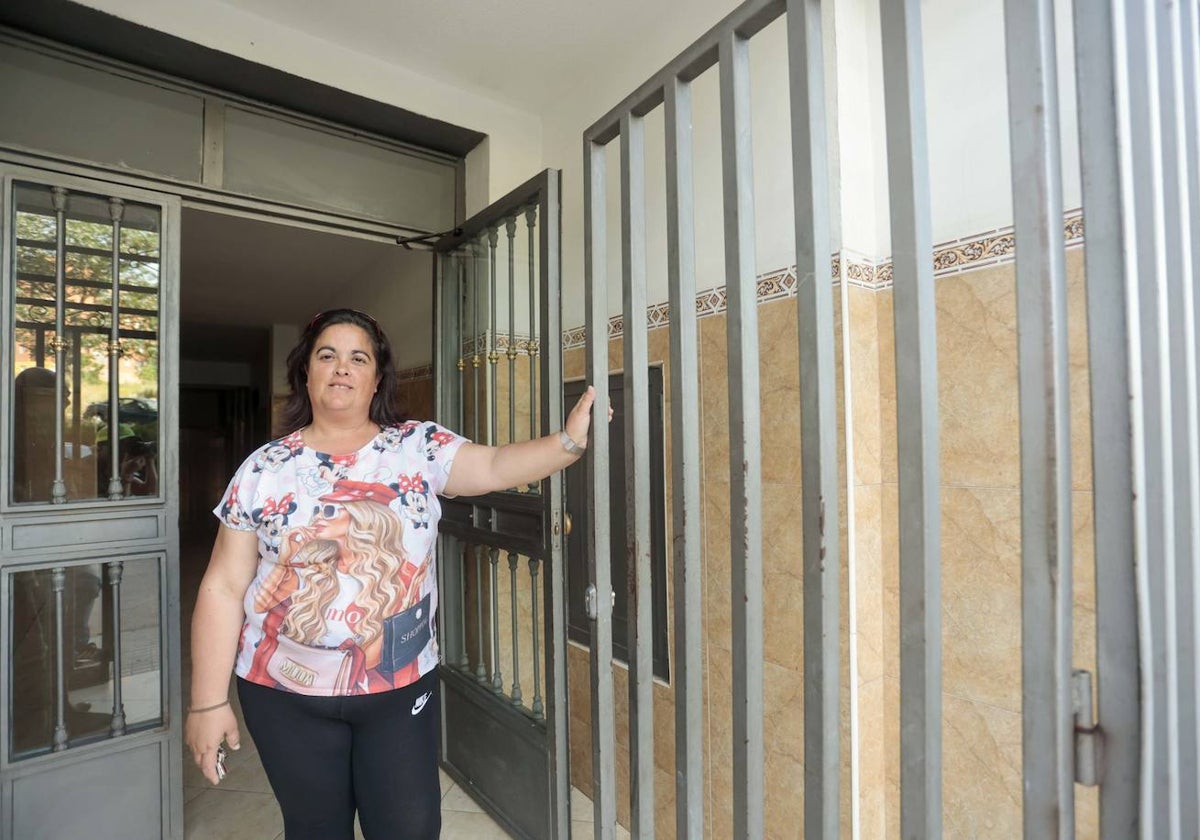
x=203 y=732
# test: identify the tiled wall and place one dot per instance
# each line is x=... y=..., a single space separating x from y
x=980 y=466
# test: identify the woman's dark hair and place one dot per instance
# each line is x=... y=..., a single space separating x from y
x=297 y=411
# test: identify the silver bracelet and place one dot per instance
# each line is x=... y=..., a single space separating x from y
x=569 y=444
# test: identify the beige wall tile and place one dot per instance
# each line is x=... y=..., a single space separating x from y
x=977 y=373
x=869 y=581
x=714 y=400
x=981 y=771
x=981 y=595
x=779 y=383
x=871 y=750
x=887 y=386
x=864 y=385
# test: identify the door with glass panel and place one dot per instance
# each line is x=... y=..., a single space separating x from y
x=502 y=628
x=89 y=680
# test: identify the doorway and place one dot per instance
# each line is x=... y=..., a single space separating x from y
x=248 y=286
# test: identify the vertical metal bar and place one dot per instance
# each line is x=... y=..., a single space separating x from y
x=114 y=572
x=1114 y=374
x=1048 y=723
x=818 y=404
x=538 y=708
x=511 y=228
x=494 y=618
x=58 y=581
x=463 y=555
x=58 y=492
x=493 y=355
x=551 y=402
x=460 y=346
x=116 y=209
x=685 y=465
x=599 y=561
x=745 y=438
x=1185 y=494
x=532 y=344
x=637 y=476
x=516 y=639
x=1136 y=51
x=915 y=315
x=1190 y=83
x=480 y=668
x=475 y=358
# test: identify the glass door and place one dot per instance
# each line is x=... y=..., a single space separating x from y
x=89 y=681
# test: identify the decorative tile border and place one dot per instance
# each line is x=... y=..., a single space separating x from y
x=957 y=257
x=415 y=374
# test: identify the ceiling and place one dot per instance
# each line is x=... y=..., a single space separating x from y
x=246 y=272
x=523 y=52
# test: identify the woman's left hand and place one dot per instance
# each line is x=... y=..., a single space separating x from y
x=579 y=421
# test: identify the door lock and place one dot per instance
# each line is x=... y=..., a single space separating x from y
x=590 y=603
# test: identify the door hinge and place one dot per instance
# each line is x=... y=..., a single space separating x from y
x=1087 y=733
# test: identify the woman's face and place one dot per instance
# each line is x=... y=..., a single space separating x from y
x=342 y=374
x=332 y=521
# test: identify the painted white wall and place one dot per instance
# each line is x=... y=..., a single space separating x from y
x=397 y=290
x=514 y=134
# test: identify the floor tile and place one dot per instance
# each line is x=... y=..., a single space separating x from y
x=461 y=825
x=231 y=815
x=456 y=799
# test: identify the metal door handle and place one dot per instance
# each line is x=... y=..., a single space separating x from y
x=567 y=524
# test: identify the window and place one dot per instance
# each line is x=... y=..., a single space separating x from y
x=578 y=626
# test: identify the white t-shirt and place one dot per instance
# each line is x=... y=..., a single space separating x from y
x=346 y=571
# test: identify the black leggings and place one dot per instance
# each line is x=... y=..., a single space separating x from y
x=327 y=757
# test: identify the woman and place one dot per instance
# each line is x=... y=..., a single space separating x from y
x=321 y=591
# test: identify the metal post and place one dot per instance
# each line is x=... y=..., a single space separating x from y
x=516 y=639
x=1135 y=54
x=475 y=358
x=1048 y=721
x=599 y=562
x=480 y=668
x=531 y=346
x=818 y=401
x=915 y=315
x=58 y=493
x=1185 y=494
x=116 y=209
x=538 y=709
x=494 y=623
x=510 y=228
x=685 y=465
x=745 y=437
x=493 y=355
x=637 y=475
x=114 y=573
x=58 y=581
x=1115 y=378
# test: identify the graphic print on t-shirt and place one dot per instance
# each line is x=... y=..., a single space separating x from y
x=345 y=596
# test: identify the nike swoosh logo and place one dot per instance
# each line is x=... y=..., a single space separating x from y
x=421 y=701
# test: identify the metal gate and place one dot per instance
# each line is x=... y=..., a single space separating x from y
x=1137 y=80
x=89 y=589
x=498 y=369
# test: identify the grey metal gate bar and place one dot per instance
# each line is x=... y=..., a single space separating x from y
x=115 y=489
x=745 y=436
x=1046 y=558
x=1114 y=379
x=113 y=574
x=1182 y=337
x=599 y=562
x=58 y=344
x=685 y=464
x=818 y=417
x=1137 y=27
x=915 y=309
x=637 y=474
